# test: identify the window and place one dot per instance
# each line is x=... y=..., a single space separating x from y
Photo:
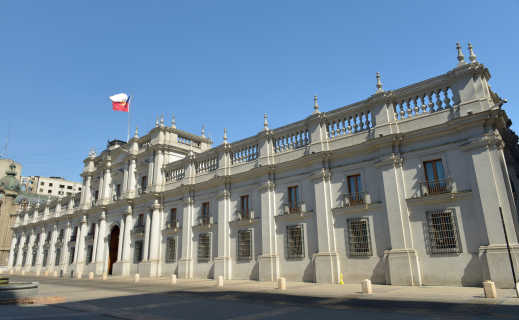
x=49 y=191
x=71 y=257
x=205 y=213
x=96 y=195
x=24 y=258
x=62 y=186
x=41 y=190
x=358 y=237
x=137 y=253
x=79 y=188
x=140 y=220
x=171 y=250
x=89 y=255
x=293 y=200
x=173 y=215
x=244 y=207
x=34 y=254
x=244 y=244
x=49 y=236
x=355 y=189
x=69 y=193
x=435 y=176
x=60 y=237
x=42 y=183
x=69 y=187
x=443 y=234
x=58 y=257
x=74 y=234
x=50 y=184
x=295 y=242
x=45 y=254
x=91 y=231
x=144 y=183
x=204 y=249
x=118 y=191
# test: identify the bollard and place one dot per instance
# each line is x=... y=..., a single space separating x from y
x=489 y=288
x=136 y=278
x=173 y=279
x=366 y=286
x=105 y=276
x=219 y=282
x=282 y=284
x=90 y=276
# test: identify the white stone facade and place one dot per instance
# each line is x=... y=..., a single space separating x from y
x=404 y=188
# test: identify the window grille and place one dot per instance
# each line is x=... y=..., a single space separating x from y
x=245 y=244
x=71 y=257
x=359 y=237
x=443 y=233
x=58 y=257
x=45 y=254
x=90 y=251
x=295 y=242
x=171 y=250
x=137 y=252
x=204 y=243
x=33 y=262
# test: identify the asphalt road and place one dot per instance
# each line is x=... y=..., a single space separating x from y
x=124 y=300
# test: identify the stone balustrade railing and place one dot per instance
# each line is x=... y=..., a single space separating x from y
x=291 y=137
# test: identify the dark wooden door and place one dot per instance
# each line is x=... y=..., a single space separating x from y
x=114 y=243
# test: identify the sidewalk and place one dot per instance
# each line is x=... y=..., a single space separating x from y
x=381 y=293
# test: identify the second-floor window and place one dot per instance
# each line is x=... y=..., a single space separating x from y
x=355 y=189
x=293 y=198
x=205 y=213
x=244 y=206
x=96 y=195
x=173 y=216
x=435 y=176
x=140 y=220
x=118 y=191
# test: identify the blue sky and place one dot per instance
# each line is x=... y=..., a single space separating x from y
x=222 y=64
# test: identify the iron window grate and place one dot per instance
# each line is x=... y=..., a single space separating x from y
x=171 y=250
x=359 y=237
x=58 y=257
x=443 y=232
x=204 y=242
x=245 y=244
x=137 y=253
x=295 y=242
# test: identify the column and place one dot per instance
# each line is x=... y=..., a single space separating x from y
x=11 y=262
x=223 y=260
x=124 y=190
x=39 y=255
x=65 y=248
x=80 y=262
x=20 y=251
x=122 y=266
x=132 y=187
x=121 y=240
x=28 y=260
x=404 y=267
x=94 y=244
x=157 y=170
x=107 y=191
x=269 y=260
x=52 y=248
x=151 y=267
x=185 y=266
x=146 y=237
x=327 y=263
x=87 y=188
x=100 y=245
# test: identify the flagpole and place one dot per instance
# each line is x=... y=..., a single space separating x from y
x=128 y=102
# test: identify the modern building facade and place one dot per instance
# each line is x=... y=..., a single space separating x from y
x=51 y=186
x=405 y=187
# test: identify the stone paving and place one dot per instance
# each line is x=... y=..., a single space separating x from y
x=240 y=299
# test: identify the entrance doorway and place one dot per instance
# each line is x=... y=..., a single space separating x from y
x=114 y=243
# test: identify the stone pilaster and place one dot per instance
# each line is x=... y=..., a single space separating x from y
x=185 y=266
x=327 y=264
x=269 y=260
x=150 y=268
x=100 y=245
x=222 y=263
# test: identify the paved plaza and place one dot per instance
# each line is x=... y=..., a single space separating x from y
x=121 y=298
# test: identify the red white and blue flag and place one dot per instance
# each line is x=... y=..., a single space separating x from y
x=120 y=102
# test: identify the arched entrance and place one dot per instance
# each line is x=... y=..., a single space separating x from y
x=114 y=242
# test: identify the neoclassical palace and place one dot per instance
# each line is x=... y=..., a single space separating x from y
x=406 y=187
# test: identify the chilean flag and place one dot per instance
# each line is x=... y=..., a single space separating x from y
x=120 y=102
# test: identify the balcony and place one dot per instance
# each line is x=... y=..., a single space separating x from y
x=245 y=215
x=205 y=220
x=298 y=208
x=433 y=187
x=356 y=199
x=173 y=225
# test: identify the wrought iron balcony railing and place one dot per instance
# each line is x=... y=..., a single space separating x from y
x=205 y=220
x=435 y=187
x=173 y=225
x=355 y=199
x=294 y=208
